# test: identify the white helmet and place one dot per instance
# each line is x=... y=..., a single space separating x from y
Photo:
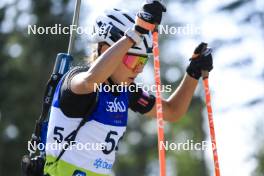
x=111 y=26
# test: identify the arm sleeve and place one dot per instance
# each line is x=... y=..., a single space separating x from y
x=140 y=101
x=75 y=105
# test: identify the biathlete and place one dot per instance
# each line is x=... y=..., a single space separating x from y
x=124 y=44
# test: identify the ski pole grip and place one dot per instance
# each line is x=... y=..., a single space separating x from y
x=205 y=73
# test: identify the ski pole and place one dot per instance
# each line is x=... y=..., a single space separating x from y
x=205 y=76
x=75 y=22
x=160 y=122
x=64 y=60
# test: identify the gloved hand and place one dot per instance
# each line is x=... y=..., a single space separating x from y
x=149 y=16
x=201 y=60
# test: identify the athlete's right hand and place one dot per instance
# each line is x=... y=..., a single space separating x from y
x=149 y=16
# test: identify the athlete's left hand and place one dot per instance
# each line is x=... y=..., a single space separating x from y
x=202 y=59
